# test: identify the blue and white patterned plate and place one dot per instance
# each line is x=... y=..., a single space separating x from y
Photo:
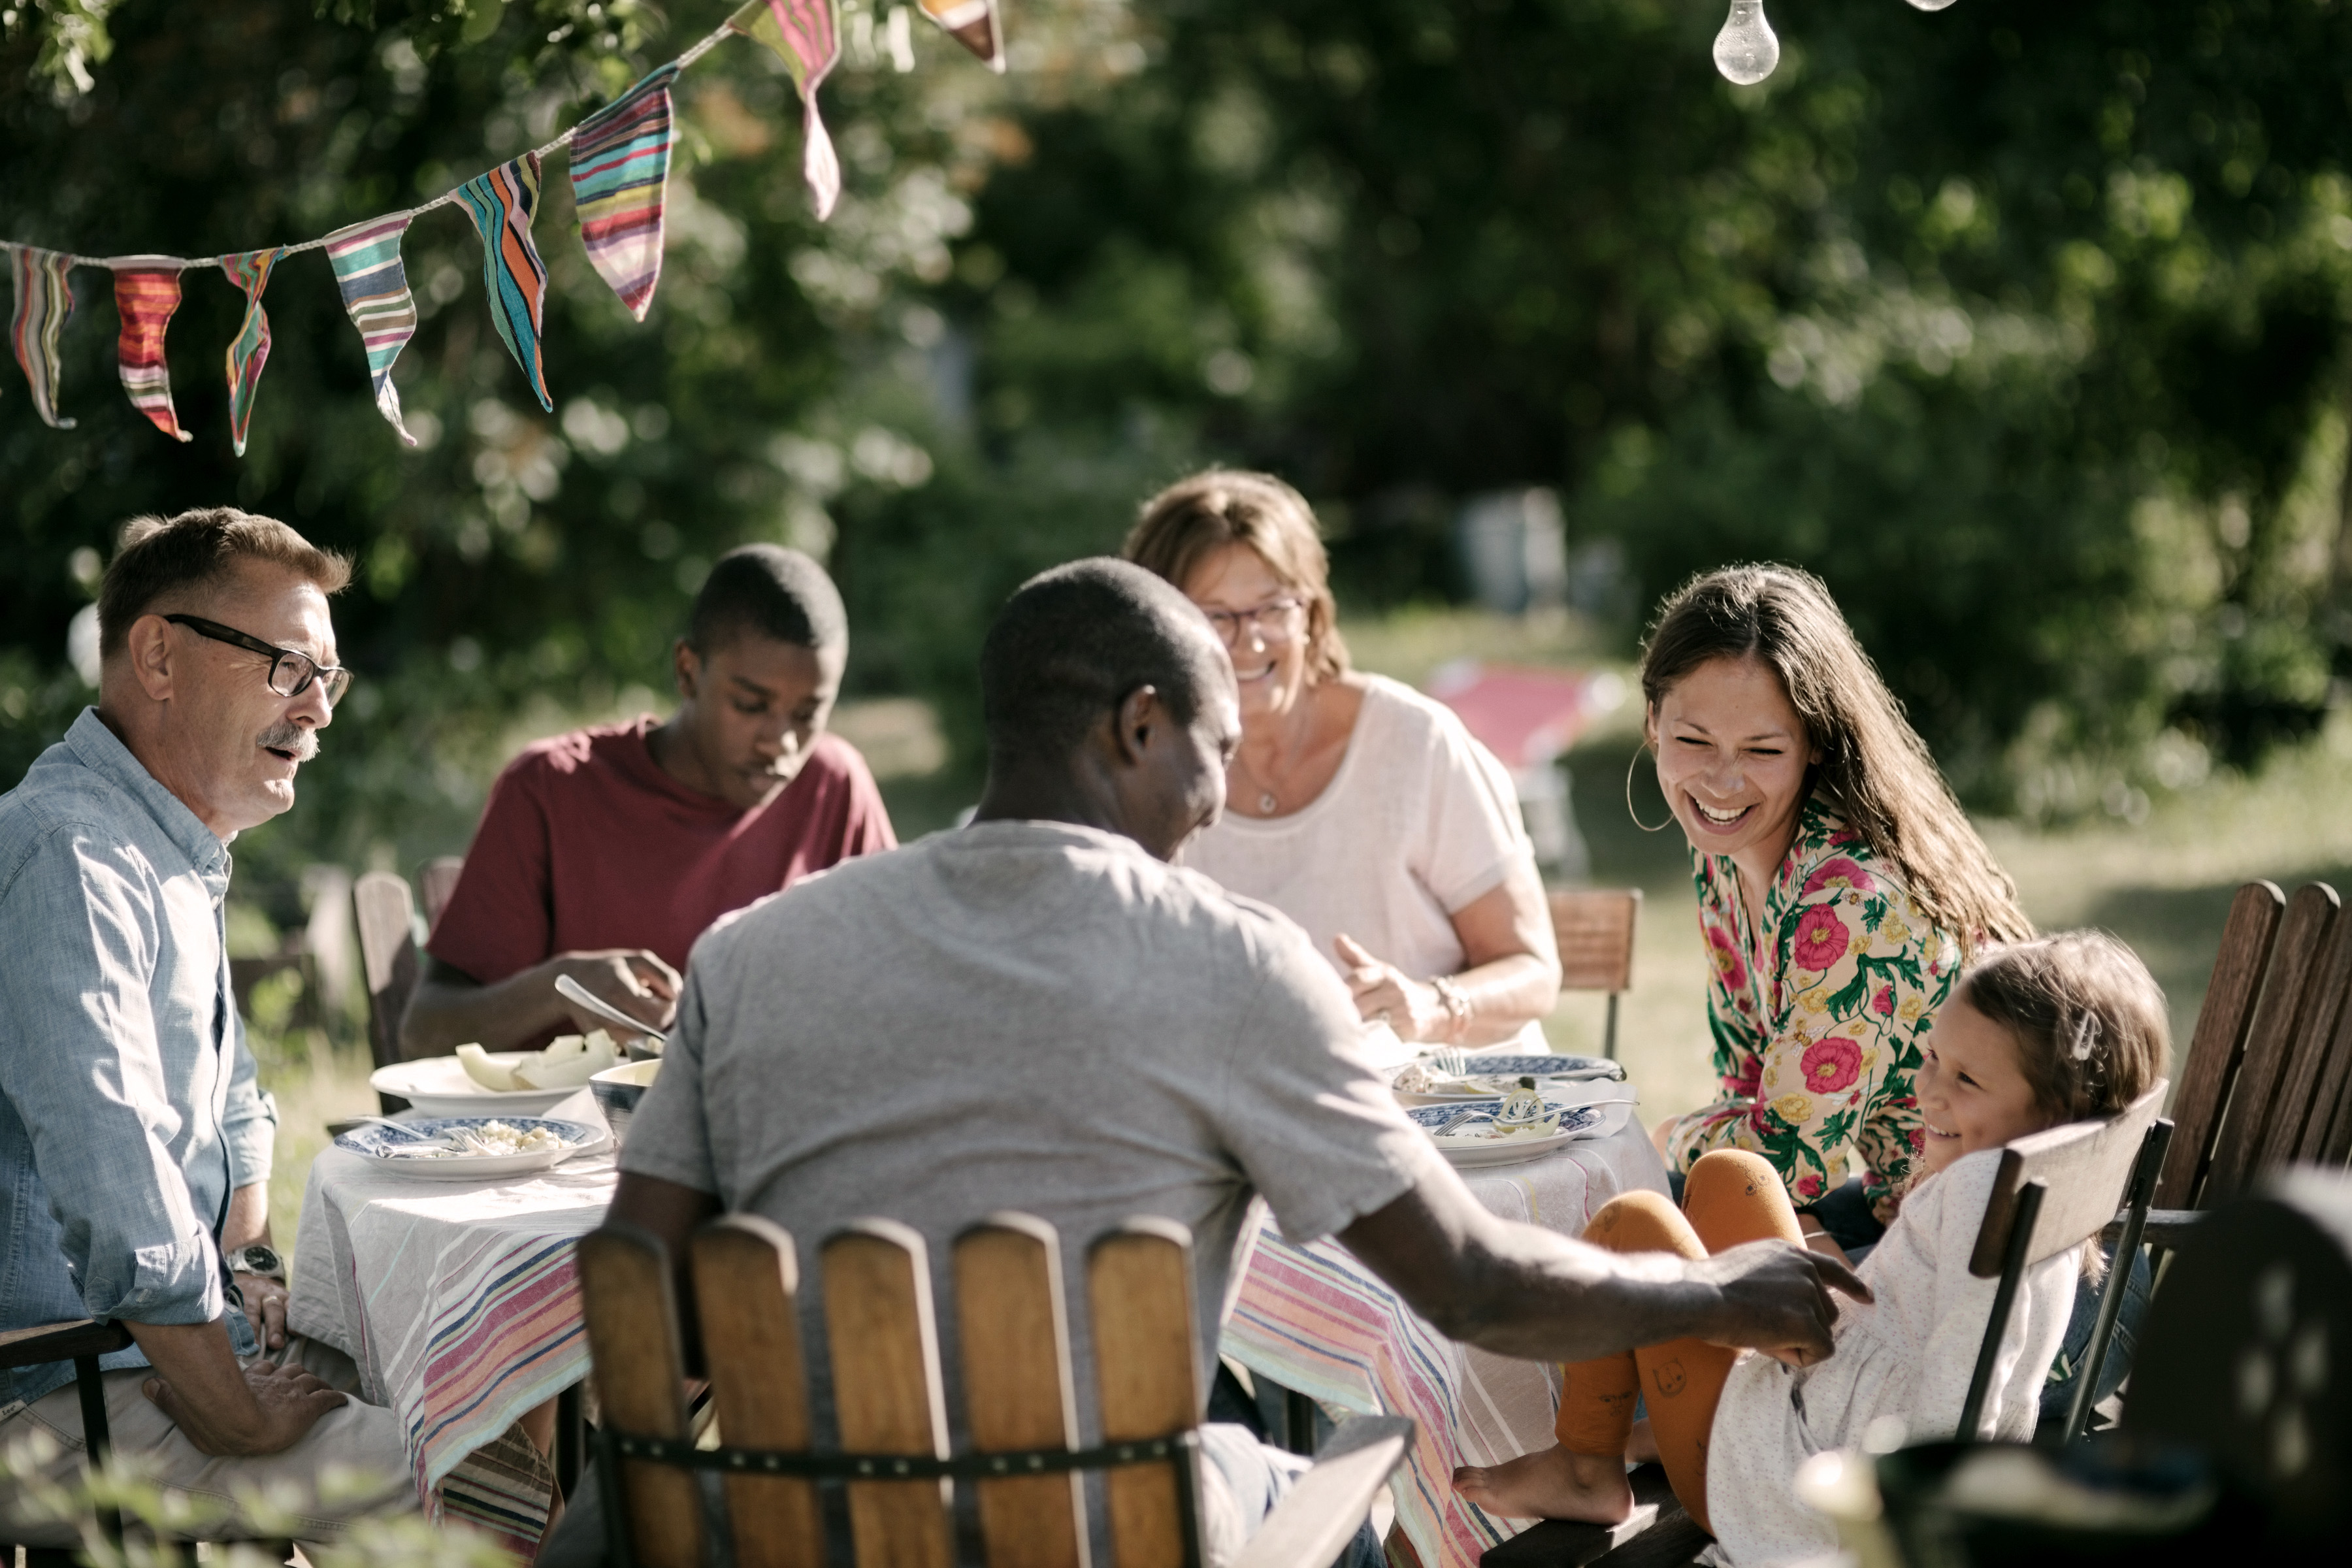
x=1464 y=1147
x=1546 y=1070
x=382 y=1143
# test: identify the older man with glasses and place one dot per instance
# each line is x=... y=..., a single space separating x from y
x=135 y=1142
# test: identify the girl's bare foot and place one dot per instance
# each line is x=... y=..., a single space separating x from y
x=1551 y=1484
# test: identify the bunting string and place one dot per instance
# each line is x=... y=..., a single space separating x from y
x=619 y=168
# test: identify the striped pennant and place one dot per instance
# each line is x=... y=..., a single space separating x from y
x=45 y=303
x=803 y=35
x=972 y=24
x=145 y=296
x=366 y=258
x=620 y=167
x=249 y=350
x=502 y=204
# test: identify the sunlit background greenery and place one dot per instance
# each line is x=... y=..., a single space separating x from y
x=2023 y=324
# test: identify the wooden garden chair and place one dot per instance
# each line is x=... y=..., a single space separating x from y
x=386 y=915
x=435 y=883
x=1594 y=929
x=2268 y=1080
x=81 y=1341
x=2053 y=1190
x=1021 y=1407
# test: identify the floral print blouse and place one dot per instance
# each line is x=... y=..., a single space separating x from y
x=1818 y=1017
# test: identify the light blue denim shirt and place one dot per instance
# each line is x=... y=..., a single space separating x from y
x=129 y=1109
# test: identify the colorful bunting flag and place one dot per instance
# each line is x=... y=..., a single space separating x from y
x=145 y=296
x=803 y=35
x=249 y=350
x=502 y=204
x=366 y=259
x=620 y=170
x=45 y=303
x=972 y=24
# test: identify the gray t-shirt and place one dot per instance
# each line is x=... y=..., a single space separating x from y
x=1024 y=1015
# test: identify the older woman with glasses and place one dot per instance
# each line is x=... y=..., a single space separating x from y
x=1357 y=806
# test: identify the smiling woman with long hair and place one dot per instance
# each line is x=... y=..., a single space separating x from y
x=1840 y=885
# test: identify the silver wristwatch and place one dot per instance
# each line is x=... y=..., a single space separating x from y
x=259 y=1259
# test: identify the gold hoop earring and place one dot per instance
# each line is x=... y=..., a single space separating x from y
x=1636 y=815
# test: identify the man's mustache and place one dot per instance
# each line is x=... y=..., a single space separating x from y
x=288 y=736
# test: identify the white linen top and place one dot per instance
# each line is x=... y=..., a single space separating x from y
x=1908 y=1355
x=1419 y=821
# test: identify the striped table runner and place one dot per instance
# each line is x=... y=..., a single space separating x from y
x=459 y=1305
x=1314 y=1319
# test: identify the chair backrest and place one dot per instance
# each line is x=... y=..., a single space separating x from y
x=2263 y=1111
x=1594 y=929
x=434 y=883
x=2219 y=1044
x=887 y=1389
x=387 y=921
x=2083 y=1168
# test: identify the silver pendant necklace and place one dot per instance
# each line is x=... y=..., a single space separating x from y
x=1266 y=803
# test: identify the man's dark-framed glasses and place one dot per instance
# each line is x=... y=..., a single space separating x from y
x=290 y=673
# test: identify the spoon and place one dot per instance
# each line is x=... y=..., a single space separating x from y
x=337 y=1128
x=572 y=991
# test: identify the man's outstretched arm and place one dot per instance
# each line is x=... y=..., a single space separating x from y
x=1520 y=1291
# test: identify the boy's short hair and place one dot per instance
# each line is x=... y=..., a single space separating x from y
x=771 y=592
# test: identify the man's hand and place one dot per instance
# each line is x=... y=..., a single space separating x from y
x=1775 y=1297
x=291 y=1402
x=633 y=980
x=264 y=1308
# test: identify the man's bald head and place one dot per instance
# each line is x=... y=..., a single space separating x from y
x=1074 y=643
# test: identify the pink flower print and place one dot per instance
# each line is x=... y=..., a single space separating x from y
x=1809 y=1187
x=1831 y=1064
x=1726 y=955
x=1821 y=938
x=1745 y=1082
x=1837 y=871
x=1918 y=1140
x=1884 y=1003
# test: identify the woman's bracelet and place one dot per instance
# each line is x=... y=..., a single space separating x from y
x=1457 y=1005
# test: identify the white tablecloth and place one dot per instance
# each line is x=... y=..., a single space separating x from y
x=457 y=1300
x=1314 y=1319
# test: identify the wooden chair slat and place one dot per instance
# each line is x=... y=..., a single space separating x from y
x=887 y=1391
x=1139 y=1300
x=632 y=1315
x=61 y=1341
x=434 y=883
x=386 y=916
x=2286 y=999
x=2084 y=1165
x=2219 y=1043
x=1594 y=929
x=2316 y=1065
x=1018 y=1390
x=2333 y=1146
x=746 y=1285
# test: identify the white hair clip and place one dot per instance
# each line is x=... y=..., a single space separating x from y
x=2086 y=1036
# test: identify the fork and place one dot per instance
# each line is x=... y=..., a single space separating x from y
x=1452 y=1061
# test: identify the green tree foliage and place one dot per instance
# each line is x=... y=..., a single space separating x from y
x=2022 y=324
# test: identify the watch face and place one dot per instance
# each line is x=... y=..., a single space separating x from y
x=258 y=1259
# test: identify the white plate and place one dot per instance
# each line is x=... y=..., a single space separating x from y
x=372 y=1141
x=438 y=1086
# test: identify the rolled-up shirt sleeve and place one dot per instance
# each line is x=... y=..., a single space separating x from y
x=86 y=1077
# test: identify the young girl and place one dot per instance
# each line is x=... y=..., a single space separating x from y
x=2066 y=1029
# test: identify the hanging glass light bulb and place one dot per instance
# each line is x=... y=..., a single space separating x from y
x=1930 y=5
x=1746 y=49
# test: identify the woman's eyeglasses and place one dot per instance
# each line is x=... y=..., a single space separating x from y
x=1275 y=621
x=290 y=673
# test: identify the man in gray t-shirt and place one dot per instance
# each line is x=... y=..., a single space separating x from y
x=1038 y=1013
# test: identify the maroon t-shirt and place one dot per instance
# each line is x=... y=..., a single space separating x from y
x=586 y=844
